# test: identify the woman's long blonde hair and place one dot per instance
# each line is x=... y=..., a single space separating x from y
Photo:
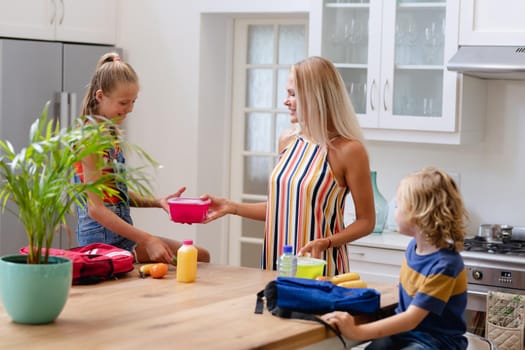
x=110 y=72
x=431 y=200
x=322 y=101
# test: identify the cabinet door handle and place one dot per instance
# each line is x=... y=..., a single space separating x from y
x=54 y=11
x=372 y=94
x=63 y=11
x=384 y=95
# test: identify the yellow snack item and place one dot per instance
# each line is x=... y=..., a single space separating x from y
x=145 y=270
x=350 y=276
x=353 y=284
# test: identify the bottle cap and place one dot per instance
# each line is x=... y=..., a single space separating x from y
x=187 y=242
x=287 y=249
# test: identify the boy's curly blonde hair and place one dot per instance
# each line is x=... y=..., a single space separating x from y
x=431 y=200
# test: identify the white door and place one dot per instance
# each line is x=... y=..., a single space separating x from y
x=264 y=50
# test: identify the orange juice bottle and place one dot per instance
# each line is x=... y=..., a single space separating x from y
x=187 y=262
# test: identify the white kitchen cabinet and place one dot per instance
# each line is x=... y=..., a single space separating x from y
x=392 y=56
x=376 y=264
x=489 y=22
x=378 y=257
x=92 y=21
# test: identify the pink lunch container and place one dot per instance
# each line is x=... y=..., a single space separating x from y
x=188 y=210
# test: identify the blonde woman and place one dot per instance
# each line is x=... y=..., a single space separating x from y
x=318 y=166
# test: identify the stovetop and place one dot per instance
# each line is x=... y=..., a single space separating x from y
x=477 y=244
x=479 y=253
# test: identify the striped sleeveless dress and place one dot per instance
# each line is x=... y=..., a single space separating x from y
x=305 y=202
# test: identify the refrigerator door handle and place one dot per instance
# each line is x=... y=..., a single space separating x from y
x=63 y=116
x=72 y=108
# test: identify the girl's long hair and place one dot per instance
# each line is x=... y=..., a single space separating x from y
x=109 y=73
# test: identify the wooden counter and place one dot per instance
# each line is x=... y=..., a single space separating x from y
x=215 y=312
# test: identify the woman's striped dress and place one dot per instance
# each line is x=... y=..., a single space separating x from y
x=305 y=202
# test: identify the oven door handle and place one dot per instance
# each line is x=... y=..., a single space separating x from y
x=477 y=293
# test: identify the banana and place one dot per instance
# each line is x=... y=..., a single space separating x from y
x=349 y=276
x=353 y=284
x=144 y=270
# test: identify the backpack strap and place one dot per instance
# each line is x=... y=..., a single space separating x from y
x=310 y=317
x=276 y=311
x=259 y=304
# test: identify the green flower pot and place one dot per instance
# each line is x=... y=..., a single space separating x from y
x=34 y=293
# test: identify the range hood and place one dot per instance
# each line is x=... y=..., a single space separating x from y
x=490 y=62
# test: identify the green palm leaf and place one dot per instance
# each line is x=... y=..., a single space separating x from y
x=39 y=178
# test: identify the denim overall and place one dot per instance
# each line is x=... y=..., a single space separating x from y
x=89 y=230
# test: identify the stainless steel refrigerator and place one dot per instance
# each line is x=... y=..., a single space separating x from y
x=31 y=73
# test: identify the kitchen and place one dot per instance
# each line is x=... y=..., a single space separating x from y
x=489 y=171
x=176 y=49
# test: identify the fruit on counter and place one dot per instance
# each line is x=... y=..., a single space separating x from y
x=158 y=270
x=145 y=270
x=353 y=284
x=345 y=277
x=175 y=260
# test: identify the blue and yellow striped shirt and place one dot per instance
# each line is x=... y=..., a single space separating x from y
x=435 y=282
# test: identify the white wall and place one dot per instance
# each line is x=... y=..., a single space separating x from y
x=491 y=173
x=181 y=116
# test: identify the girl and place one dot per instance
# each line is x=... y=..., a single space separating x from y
x=112 y=93
x=318 y=166
x=433 y=280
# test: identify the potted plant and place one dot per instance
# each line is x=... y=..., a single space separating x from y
x=38 y=180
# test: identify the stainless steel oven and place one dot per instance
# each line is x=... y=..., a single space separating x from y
x=491 y=265
x=487 y=271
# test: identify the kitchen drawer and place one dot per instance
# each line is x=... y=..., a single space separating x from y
x=376 y=264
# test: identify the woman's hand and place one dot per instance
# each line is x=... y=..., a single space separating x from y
x=315 y=248
x=218 y=207
x=164 y=201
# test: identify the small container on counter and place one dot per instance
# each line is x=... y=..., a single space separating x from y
x=187 y=262
x=518 y=233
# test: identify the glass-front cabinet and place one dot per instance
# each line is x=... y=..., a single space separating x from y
x=392 y=56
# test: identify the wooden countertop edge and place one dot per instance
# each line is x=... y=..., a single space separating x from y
x=300 y=340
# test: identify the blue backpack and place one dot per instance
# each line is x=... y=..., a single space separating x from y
x=300 y=298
